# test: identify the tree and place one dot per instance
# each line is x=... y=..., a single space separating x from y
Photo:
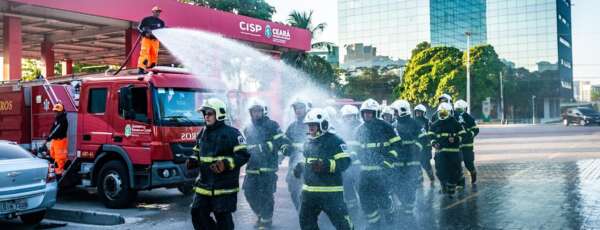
x=595 y=95
x=485 y=79
x=370 y=82
x=251 y=8
x=30 y=69
x=429 y=74
x=420 y=47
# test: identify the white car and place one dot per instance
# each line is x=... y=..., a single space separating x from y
x=27 y=184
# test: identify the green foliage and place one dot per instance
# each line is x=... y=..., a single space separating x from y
x=430 y=73
x=303 y=20
x=251 y=8
x=420 y=47
x=595 y=95
x=30 y=69
x=485 y=79
x=370 y=83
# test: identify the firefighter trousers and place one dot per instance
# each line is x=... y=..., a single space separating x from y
x=221 y=207
x=350 y=180
x=448 y=167
x=58 y=152
x=294 y=185
x=259 y=190
x=409 y=178
x=426 y=161
x=332 y=203
x=468 y=158
x=374 y=193
x=148 y=53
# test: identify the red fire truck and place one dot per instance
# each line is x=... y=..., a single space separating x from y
x=126 y=133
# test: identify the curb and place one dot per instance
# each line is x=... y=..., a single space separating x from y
x=85 y=217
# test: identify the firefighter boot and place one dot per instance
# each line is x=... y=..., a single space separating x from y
x=473 y=177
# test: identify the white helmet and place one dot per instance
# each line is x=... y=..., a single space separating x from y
x=369 y=104
x=349 y=110
x=301 y=103
x=387 y=110
x=461 y=105
x=331 y=112
x=255 y=103
x=444 y=110
x=421 y=107
x=447 y=97
x=318 y=115
x=395 y=104
x=403 y=108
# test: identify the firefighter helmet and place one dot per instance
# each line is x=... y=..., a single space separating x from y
x=445 y=97
x=255 y=103
x=301 y=103
x=331 y=112
x=403 y=108
x=216 y=105
x=387 y=110
x=348 y=110
x=444 y=110
x=369 y=104
x=421 y=107
x=461 y=105
x=319 y=116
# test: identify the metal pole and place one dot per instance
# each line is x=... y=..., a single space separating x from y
x=501 y=99
x=468 y=71
x=533 y=108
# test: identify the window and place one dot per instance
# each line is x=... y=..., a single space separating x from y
x=97 y=100
x=139 y=104
x=12 y=151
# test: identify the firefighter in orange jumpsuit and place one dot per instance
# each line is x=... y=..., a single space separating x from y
x=149 y=51
x=58 y=138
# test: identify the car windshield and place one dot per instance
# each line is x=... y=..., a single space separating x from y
x=177 y=106
x=588 y=112
x=11 y=151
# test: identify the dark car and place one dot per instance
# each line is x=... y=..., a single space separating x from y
x=582 y=116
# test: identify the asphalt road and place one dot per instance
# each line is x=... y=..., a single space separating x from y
x=531 y=177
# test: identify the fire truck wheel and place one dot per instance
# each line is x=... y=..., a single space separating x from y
x=113 y=185
x=186 y=188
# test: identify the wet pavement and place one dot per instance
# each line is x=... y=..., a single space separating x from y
x=543 y=177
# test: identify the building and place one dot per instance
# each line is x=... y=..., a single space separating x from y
x=582 y=91
x=331 y=54
x=360 y=55
x=535 y=35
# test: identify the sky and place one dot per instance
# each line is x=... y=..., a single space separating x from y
x=584 y=16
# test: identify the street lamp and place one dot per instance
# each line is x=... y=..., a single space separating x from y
x=468 y=34
x=533 y=109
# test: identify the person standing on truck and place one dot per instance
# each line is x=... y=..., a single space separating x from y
x=58 y=138
x=220 y=151
x=149 y=50
x=265 y=139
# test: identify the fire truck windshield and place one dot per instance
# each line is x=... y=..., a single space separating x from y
x=177 y=106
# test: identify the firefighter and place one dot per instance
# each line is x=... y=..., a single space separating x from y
x=379 y=145
x=58 y=138
x=387 y=114
x=408 y=164
x=220 y=151
x=420 y=111
x=149 y=50
x=447 y=134
x=346 y=129
x=466 y=147
x=264 y=139
x=296 y=133
x=326 y=159
x=443 y=98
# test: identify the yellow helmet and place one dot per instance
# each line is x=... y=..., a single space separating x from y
x=58 y=107
x=217 y=105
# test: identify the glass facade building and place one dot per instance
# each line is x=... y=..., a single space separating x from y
x=531 y=34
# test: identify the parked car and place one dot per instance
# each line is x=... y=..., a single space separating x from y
x=581 y=115
x=27 y=184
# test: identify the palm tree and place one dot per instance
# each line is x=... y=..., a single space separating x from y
x=304 y=20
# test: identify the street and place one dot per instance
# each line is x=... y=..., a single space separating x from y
x=530 y=177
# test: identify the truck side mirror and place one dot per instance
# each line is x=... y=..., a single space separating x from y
x=126 y=103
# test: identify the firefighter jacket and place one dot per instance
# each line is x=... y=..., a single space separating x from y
x=442 y=131
x=408 y=129
x=424 y=137
x=219 y=142
x=59 y=127
x=379 y=145
x=346 y=131
x=264 y=139
x=468 y=123
x=148 y=24
x=331 y=150
x=297 y=134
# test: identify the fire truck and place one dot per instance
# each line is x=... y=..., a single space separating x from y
x=126 y=133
